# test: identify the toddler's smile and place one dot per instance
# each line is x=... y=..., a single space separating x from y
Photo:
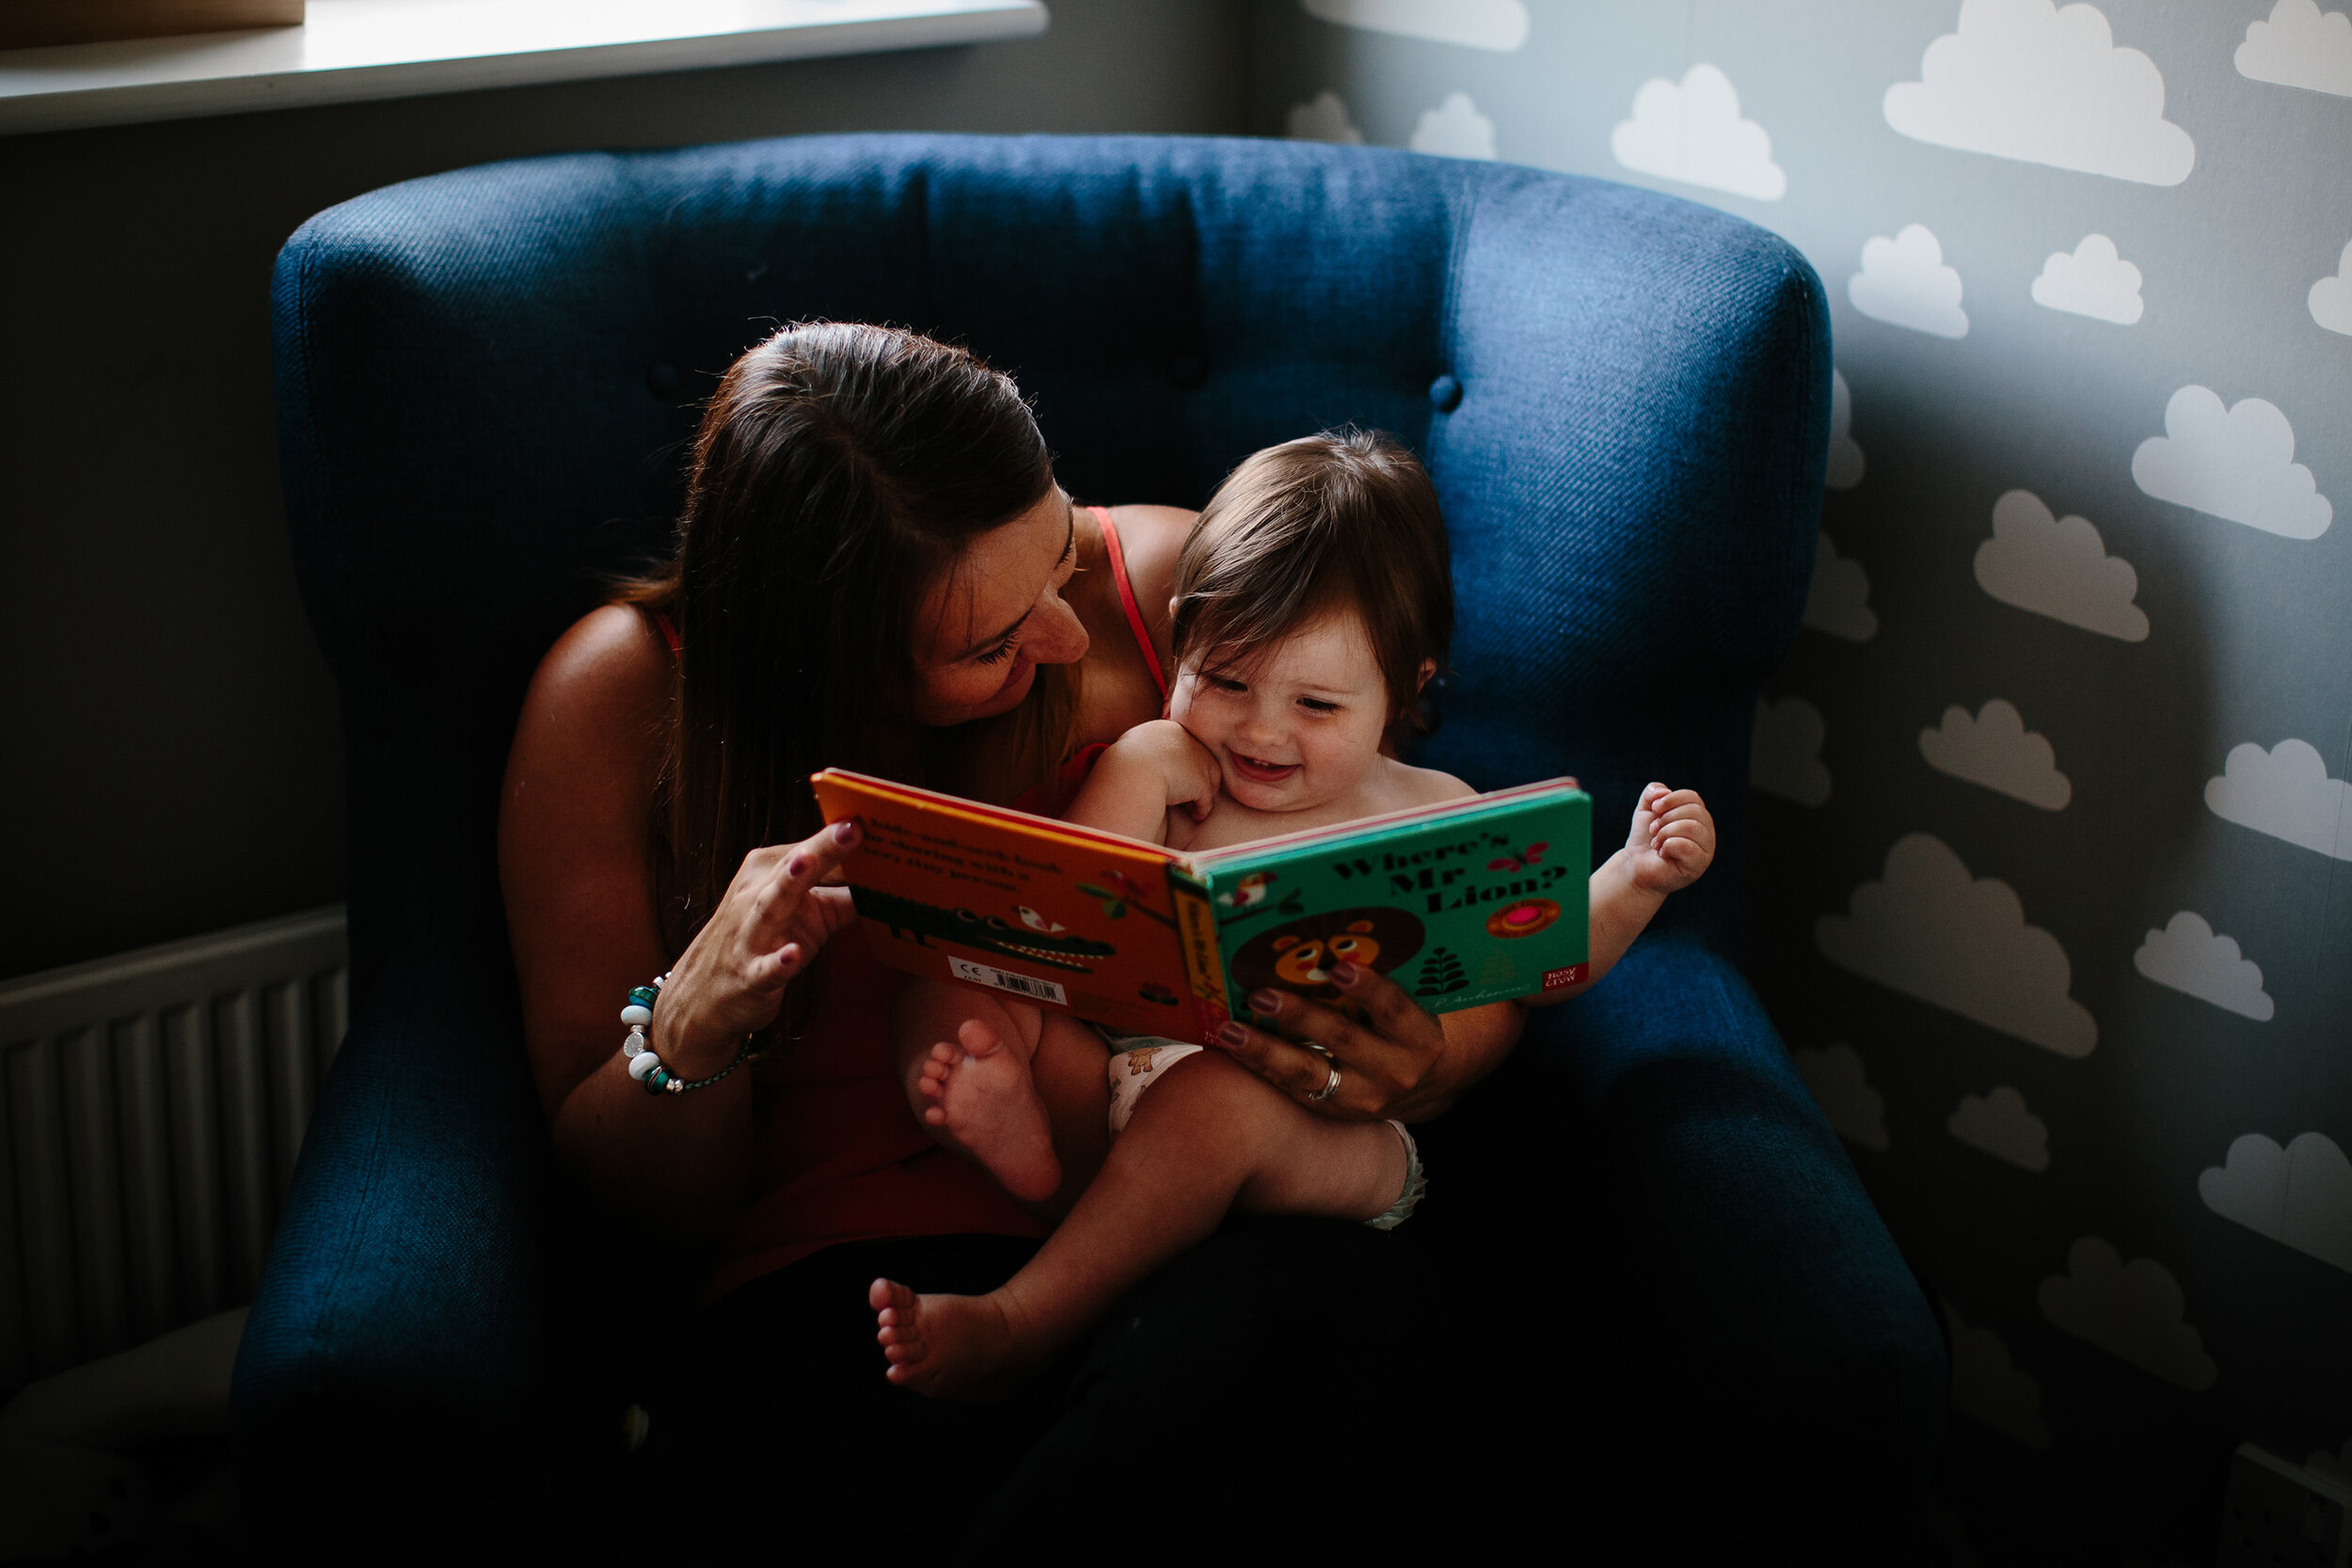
x=1300 y=725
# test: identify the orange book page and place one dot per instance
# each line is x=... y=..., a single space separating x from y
x=1024 y=906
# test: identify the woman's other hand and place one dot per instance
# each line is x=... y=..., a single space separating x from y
x=774 y=919
x=1399 y=1063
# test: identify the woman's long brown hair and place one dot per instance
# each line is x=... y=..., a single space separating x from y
x=838 y=470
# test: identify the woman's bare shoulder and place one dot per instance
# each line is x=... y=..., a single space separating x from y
x=1151 y=537
x=587 y=740
x=611 y=654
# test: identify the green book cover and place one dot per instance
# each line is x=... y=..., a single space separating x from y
x=1481 y=900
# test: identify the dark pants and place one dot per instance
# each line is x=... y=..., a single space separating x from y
x=1533 y=1357
x=1266 y=1386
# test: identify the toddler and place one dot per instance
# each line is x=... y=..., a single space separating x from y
x=1312 y=603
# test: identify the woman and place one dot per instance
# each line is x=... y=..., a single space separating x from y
x=877 y=571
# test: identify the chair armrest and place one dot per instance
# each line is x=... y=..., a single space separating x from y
x=1782 y=1336
x=398 y=1334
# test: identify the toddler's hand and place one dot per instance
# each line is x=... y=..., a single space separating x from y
x=1673 y=839
x=1186 y=769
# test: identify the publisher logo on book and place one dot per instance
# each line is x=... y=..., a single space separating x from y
x=1572 y=976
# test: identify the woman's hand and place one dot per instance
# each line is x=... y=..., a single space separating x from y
x=1400 y=1063
x=774 y=919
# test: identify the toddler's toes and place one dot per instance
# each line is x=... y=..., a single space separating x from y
x=898 y=1313
x=979 y=1039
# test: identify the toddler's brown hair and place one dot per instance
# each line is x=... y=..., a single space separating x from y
x=1344 y=518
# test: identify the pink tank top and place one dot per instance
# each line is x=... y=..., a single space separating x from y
x=1040 y=799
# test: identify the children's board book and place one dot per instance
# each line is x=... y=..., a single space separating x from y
x=1472 y=901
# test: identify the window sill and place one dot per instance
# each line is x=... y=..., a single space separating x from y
x=354 y=49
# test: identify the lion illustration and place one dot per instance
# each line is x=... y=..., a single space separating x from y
x=1298 y=955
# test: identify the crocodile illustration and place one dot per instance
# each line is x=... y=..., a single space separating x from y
x=920 y=924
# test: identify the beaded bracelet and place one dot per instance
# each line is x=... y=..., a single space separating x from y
x=643 y=1065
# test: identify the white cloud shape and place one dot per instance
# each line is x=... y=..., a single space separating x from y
x=1324 y=119
x=2130 y=1311
x=1999 y=1124
x=2299 y=47
x=2300 y=1195
x=2330 y=298
x=1496 y=24
x=1785 y=752
x=1903 y=281
x=2284 y=792
x=1932 y=931
x=1996 y=750
x=1845 y=454
x=2057 y=567
x=2190 y=956
x=2238 y=465
x=1842 y=1089
x=1455 y=129
x=1839 y=601
x=2090 y=280
x=1691 y=132
x=2024 y=79
x=1986 y=1387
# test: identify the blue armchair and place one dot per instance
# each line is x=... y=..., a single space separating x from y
x=484 y=383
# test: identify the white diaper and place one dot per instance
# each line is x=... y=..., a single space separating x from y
x=1138 y=1060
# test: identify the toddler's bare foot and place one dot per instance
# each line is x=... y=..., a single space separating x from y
x=984 y=1102
x=949 y=1347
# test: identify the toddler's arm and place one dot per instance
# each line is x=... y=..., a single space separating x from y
x=1671 y=844
x=1146 y=773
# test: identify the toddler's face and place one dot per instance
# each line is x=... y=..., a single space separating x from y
x=1301 y=725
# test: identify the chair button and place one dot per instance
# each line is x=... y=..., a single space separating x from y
x=1445 y=394
x=662 y=382
x=1186 y=371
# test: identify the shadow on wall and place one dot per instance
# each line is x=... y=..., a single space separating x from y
x=2051 y=836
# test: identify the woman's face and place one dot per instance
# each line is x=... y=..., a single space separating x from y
x=997 y=615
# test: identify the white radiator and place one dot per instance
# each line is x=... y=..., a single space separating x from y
x=150 y=1107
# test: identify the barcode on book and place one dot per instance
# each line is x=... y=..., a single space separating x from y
x=1020 y=984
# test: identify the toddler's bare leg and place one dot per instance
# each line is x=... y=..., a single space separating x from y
x=1067 y=1071
x=971 y=1085
x=1208 y=1137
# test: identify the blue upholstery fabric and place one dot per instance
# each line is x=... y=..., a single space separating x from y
x=407 y=1287
x=484 y=382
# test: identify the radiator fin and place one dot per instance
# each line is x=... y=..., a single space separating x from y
x=154 y=1104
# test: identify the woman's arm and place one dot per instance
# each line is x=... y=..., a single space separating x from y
x=667 y=1171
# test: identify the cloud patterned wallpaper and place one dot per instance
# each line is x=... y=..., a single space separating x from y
x=2052 y=826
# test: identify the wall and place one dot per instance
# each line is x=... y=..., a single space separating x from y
x=173 y=756
x=2055 y=889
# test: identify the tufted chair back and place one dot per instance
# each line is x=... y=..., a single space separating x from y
x=488 y=379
